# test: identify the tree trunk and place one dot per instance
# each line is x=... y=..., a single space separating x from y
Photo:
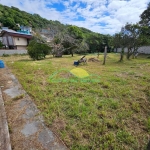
x=121 y=55
x=135 y=53
x=105 y=54
x=71 y=51
x=128 y=54
x=132 y=52
x=116 y=49
x=98 y=55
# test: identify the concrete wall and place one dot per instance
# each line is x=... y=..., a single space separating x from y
x=20 y=41
x=21 y=47
x=10 y=52
x=143 y=49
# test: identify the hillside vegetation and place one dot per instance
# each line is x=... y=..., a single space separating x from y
x=11 y=16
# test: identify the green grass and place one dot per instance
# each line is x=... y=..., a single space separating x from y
x=110 y=113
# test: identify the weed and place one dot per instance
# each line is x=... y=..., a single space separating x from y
x=136 y=106
x=9 y=128
x=148 y=124
x=18 y=97
x=5 y=55
x=105 y=84
x=124 y=137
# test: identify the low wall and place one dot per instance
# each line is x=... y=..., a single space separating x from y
x=10 y=52
x=143 y=49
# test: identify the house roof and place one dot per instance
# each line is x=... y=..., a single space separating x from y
x=16 y=34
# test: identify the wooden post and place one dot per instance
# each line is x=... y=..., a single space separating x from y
x=98 y=55
x=105 y=54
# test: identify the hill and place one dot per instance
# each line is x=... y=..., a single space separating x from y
x=11 y=16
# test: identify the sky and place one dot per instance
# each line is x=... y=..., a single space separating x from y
x=102 y=16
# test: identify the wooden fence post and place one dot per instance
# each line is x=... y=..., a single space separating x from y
x=105 y=54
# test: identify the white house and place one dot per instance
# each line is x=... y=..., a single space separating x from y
x=15 y=40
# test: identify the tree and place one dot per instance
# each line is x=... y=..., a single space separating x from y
x=75 y=32
x=145 y=35
x=133 y=42
x=145 y=17
x=116 y=41
x=57 y=47
x=123 y=42
x=69 y=40
x=38 y=50
x=95 y=42
x=145 y=26
x=129 y=37
x=9 y=22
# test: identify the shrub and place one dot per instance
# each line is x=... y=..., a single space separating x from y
x=5 y=55
x=38 y=50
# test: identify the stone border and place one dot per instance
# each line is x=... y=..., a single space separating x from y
x=30 y=132
x=4 y=131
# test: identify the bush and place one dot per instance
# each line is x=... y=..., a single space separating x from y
x=5 y=55
x=37 y=50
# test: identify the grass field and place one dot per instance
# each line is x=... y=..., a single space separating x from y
x=111 y=112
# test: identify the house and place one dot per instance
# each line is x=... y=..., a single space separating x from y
x=15 y=40
x=26 y=29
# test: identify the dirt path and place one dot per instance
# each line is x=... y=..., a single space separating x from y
x=26 y=125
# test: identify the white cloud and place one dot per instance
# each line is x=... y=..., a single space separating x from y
x=103 y=16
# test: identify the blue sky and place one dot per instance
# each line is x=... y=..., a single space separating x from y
x=102 y=16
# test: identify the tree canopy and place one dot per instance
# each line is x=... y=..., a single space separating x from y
x=37 y=49
x=145 y=17
x=132 y=36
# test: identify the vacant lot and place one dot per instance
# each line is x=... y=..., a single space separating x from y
x=108 y=110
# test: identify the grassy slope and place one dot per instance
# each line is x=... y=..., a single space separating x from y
x=110 y=114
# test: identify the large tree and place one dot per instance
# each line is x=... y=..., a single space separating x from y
x=145 y=17
x=133 y=40
x=145 y=26
x=129 y=38
x=116 y=41
x=70 y=40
